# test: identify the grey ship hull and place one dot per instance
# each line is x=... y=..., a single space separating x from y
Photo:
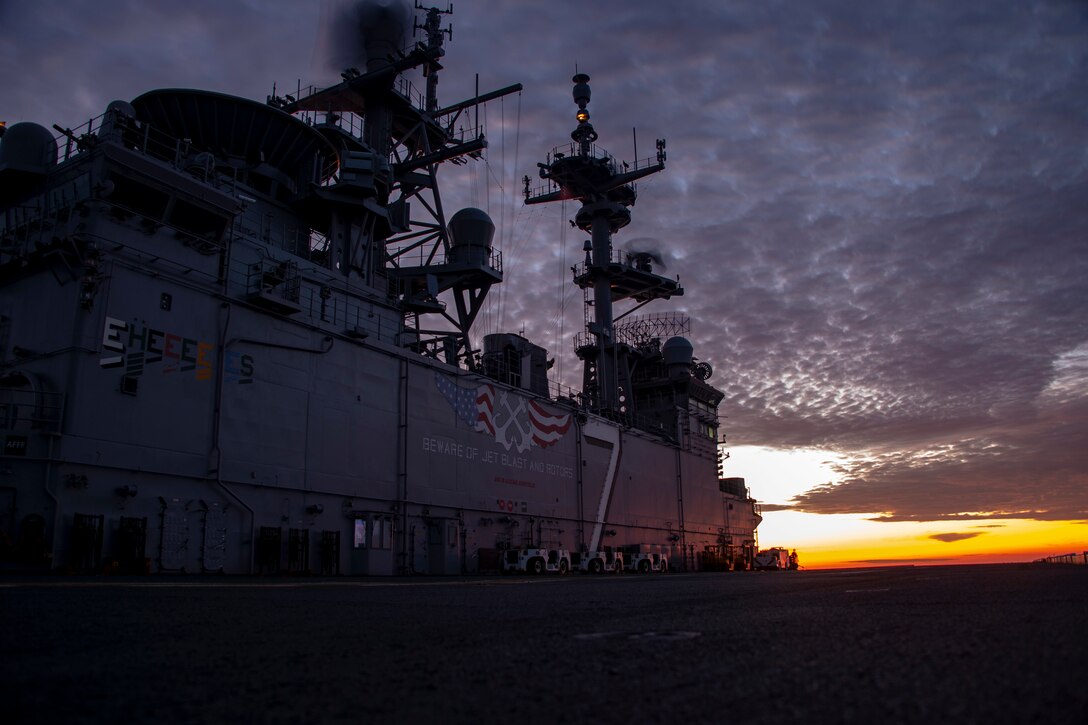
x=206 y=365
x=343 y=437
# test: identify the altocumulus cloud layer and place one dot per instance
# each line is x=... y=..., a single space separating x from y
x=878 y=209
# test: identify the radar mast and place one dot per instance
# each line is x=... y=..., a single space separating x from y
x=606 y=190
x=387 y=222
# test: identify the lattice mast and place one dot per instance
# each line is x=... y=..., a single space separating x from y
x=388 y=223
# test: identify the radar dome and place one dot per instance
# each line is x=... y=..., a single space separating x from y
x=677 y=351
x=471 y=232
x=471 y=227
x=28 y=147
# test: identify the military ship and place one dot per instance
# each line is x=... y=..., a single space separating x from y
x=237 y=336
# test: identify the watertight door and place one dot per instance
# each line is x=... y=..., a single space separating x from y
x=443 y=537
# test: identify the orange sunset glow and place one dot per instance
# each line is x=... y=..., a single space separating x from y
x=826 y=541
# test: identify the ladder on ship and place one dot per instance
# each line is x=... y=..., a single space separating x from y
x=403 y=551
x=687 y=558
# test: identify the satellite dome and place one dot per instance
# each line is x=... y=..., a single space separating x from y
x=677 y=351
x=471 y=227
x=471 y=232
x=28 y=147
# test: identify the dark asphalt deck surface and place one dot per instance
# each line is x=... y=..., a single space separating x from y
x=956 y=644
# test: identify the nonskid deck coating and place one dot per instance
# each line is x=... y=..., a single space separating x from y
x=999 y=643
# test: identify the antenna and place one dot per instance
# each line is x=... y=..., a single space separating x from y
x=592 y=176
x=432 y=27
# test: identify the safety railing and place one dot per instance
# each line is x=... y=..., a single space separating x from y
x=1072 y=558
x=27 y=409
x=572 y=149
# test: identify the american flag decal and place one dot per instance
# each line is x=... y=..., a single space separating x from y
x=485 y=408
x=521 y=424
x=474 y=406
x=547 y=427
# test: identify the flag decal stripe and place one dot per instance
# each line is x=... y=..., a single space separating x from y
x=477 y=407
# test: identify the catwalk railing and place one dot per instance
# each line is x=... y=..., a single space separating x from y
x=1073 y=558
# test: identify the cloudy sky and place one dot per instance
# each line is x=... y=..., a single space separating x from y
x=879 y=210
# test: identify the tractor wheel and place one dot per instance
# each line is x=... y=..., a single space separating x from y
x=563 y=567
x=536 y=566
x=644 y=566
x=595 y=566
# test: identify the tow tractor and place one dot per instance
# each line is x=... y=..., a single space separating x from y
x=595 y=562
x=536 y=561
x=644 y=563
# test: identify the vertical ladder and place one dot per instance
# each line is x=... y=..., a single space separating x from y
x=402 y=471
x=579 y=487
x=680 y=513
x=590 y=387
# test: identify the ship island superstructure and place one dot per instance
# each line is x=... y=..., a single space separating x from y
x=237 y=337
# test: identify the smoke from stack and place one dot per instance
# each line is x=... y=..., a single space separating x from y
x=362 y=34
